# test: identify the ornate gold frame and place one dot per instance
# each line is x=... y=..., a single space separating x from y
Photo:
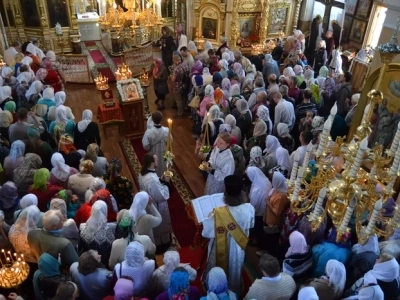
x=273 y=7
x=257 y=16
x=370 y=84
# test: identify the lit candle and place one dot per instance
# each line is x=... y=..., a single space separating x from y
x=169 y=146
x=148 y=12
x=142 y=4
x=307 y=156
x=349 y=213
x=360 y=154
x=395 y=143
x=115 y=13
x=318 y=209
x=294 y=168
x=374 y=217
x=296 y=191
x=206 y=132
x=4 y=253
x=395 y=165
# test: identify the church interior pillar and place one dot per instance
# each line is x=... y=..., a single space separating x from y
x=296 y=14
x=305 y=16
x=234 y=26
x=228 y=20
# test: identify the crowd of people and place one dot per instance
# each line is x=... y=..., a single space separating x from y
x=68 y=210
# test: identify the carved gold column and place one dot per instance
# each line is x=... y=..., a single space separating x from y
x=264 y=21
x=74 y=34
x=296 y=15
x=18 y=21
x=234 y=25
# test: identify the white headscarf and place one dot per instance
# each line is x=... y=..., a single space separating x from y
x=223 y=64
x=309 y=78
x=192 y=47
x=61 y=114
x=209 y=91
x=226 y=87
x=59 y=98
x=307 y=293
x=282 y=129
x=256 y=158
x=263 y=114
x=226 y=56
x=28 y=218
x=27 y=60
x=281 y=154
x=260 y=187
x=35 y=88
x=278 y=184
x=17 y=150
x=242 y=106
x=31 y=48
x=48 y=93
x=5 y=93
x=87 y=116
x=336 y=62
x=134 y=258
x=138 y=207
x=260 y=128
x=235 y=90
x=336 y=273
x=28 y=200
x=51 y=55
x=288 y=72
x=60 y=170
x=171 y=261
x=385 y=271
x=6 y=71
x=298 y=244
x=98 y=216
x=372 y=245
x=25 y=76
x=97 y=184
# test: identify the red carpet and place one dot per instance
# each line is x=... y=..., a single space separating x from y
x=183 y=227
x=101 y=62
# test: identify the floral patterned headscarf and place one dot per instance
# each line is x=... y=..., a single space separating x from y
x=179 y=285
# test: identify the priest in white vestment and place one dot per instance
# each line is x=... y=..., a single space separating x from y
x=155 y=140
x=158 y=189
x=181 y=39
x=228 y=229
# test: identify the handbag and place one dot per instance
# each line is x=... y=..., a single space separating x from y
x=195 y=102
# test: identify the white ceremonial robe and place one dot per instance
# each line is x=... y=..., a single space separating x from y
x=182 y=42
x=155 y=140
x=244 y=217
x=151 y=184
x=224 y=165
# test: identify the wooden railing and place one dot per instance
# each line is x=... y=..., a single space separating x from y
x=138 y=58
x=75 y=68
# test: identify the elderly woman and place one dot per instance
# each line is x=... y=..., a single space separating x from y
x=331 y=286
x=23 y=81
x=62 y=125
x=298 y=259
x=9 y=201
x=161 y=277
x=354 y=101
x=208 y=98
x=92 y=279
x=42 y=188
x=59 y=98
x=100 y=164
x=86 y=131
x=120 y=186
x=226 y=88
x=80 y=183
x=262 y=113
x=14 y=159
x=284 y=137
x=55 y=64
x=137 y=267
x=322 y=76
x=18 y=234
x=32 y=95
x=7 y=117
x=276 y=155
x=30 y=52
x=52 y=77
x=5 y=96
x=217 y=286
x=160 y=77
x=231 y=121
x=299 y=71
x=69 y=230
x=60 y=172
x=36 y=145
x=258 y=138
x=48 y=100
x=308 y=79
x=23 y=174
x=256 y=158
x=96 y=233
x=192 y=49
x=243 y=117
x=125 y=226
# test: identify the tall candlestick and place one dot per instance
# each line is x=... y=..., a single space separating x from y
x=374 y=217
x=299 y=179
x=142 y=4
x=318 y=209
x=360 y=154
x=396 y=163
x=115 y=13
x=365 y=114
x=148 y=12
x=395 y=143
x=169 y=135
x=349 y=213
x=307 y=156
x=324 y=136
x=294 y=168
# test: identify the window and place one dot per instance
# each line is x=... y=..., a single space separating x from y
x=375 y=30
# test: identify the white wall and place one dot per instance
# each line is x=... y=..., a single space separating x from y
x=392 y=13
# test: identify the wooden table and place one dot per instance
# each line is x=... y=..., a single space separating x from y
x=110 y=116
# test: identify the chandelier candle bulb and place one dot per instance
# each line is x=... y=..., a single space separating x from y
x=324 y=136
x=360 y=154
x=296 y=191
x=374 y=217
x=372 y=173
x=333 y=111
x=294 y=168
x=365 y=115
x=307 y=156
x=318 y=209
x=349 y=213
x=395 y=143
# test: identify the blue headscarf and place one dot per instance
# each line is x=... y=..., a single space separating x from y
x=179 y=285
x=217 y=285
x=48 y=267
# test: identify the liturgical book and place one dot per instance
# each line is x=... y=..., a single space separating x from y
x=203 y=206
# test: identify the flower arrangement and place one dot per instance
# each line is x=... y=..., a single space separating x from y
x=205 y=149
x=168 y=156
x=254 y=38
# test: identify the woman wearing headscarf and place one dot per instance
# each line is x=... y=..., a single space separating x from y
x=211 y=123
x=299 y=71
x=276 y=155
x=192 y=49
x=308 y=79
x=99 y=184
x=223 y=64
x=321 y=56
x=270 y=66
x=299 y=257
x=15 y=158
x=71 y=201
x=23 y=174
x=259 y=190
x=125 y=231
x=144 y=215
x=136 y=267
x=36 y=145
x=203 y=56
x=385 y=273
x=96 y=233
x=124 y=289
x=62 y=125
x=59 y=98
x=234 y=96
x=354 y=101
x=5 y=96
x=243 y=118
x=207 y=77
x=161 y=277
x=179 y=287
x=42 y=189
x=80 y=183
x=100 y=164
x=238 y=69
x=322 y=76
x=284 y=137
x=31 y=53
x=47 y=99
x=258 y=138
x=60 y=172
x=32 y=95
x=69 y=230
x=47 y=278
x=256 y=158
x=119 y=186
x=11 y=107
x=86 y=131
x=9 y=201
x=226 y=88
x=307 y=293
x=262 y=113
x=55 y=64
x=18 y=234
x=90 y=275
x=168 y=46
x=217 y=286
x=236 y=133
x=220 y=165
x=197 y=68
x=160 y=77
x=331 y=286
x=52 y=77
x=336 y=62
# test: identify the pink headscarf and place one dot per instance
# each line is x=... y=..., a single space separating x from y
x=157 y=66
x=123 y=289
x=41 y=74
x=298 y=244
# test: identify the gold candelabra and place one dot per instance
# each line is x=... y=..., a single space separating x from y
x=101 y=82
x=14 y=270
x=113 y=20
x=168 y=155
x=144 y=78
x=123 y=73
x=205 y=147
